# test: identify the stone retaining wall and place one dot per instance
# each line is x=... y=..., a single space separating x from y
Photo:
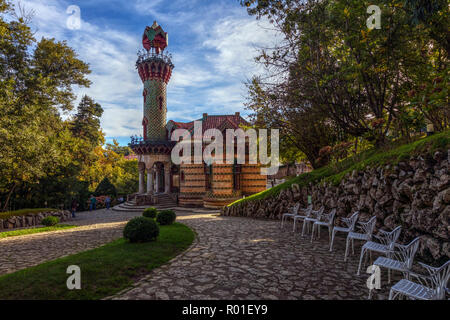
x=414 y=194
x=32 y=219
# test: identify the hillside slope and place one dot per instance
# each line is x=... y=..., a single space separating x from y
x=407 y=185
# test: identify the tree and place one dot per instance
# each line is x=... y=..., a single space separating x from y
x=358 y=78
x=105 y=187
x=86 y=123
x=123 y=150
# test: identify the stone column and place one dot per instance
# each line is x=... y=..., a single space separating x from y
x=149 y=181
x=141 y=182
x=157 y=180
x=167 y=178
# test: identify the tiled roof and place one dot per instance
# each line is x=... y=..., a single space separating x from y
x=220 y=122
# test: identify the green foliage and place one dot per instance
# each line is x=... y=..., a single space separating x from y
x=150 y=212
x=166 y=217
x=24 y=212
x=105 y=188
x=123 y=150
x=141 y=229
x=335 y=81
x=50 y=221
x=45 y=160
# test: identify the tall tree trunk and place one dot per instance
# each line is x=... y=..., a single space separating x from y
x=9 y=196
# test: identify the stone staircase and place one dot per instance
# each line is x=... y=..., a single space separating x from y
x=164 y=201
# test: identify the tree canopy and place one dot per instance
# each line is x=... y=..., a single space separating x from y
x=331 y=81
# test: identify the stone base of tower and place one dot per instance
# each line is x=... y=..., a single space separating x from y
x=190 y=201
x=217 y=203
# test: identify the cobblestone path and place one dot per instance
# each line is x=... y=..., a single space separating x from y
x=231 y=258
x=241 y=258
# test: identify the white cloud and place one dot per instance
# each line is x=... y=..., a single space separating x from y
x=213 y=55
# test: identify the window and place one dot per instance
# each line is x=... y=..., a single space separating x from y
x=144 y=124
x=236 y=175
x=208 y=176
x=182 y=176
x=161 y=100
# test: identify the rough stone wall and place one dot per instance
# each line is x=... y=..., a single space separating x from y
x=414 y=194
x=32 y=219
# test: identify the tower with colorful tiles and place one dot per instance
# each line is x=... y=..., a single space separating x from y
x=155 y=69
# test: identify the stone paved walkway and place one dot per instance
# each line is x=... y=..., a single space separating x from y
x=241 y=258
x=232 y=258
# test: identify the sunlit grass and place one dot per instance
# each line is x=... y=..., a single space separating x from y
x=22 y=232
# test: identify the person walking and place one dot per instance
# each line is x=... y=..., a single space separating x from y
x=74 y=207
x=93 y=203
x=108 y=202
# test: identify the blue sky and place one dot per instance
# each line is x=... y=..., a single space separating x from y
x=213 y=44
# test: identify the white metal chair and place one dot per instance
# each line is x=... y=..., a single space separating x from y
x=384 y=246
x=313 y=217
x=306 y=214
x=366 y=235
x=432 y=287
x=400 y=259
x=292 y=214
x=326 y=220
x=350 y=222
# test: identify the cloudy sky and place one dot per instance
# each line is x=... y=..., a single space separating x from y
x=213 y=44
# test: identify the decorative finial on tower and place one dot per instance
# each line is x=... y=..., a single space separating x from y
x=155 y=37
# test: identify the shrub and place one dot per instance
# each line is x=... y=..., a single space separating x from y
x=150 y=212
x=50 y=221
x=141 y=229
x=166 y=217
x=105 y=187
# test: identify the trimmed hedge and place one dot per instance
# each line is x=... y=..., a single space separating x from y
x=50 y=221
x=141 y=229
x=166 y=217
x=150 y=212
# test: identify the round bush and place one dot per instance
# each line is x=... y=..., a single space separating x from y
x=166 y=217
x=150 y=212
x=50 y=221
x=141 y=229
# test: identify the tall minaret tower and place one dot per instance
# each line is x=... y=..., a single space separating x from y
x=155 y=69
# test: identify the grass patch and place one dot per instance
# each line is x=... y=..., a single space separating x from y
x=391 y=154
x=24 y=212
x=104 y=271
x=22 y=232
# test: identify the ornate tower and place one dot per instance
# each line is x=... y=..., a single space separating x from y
x=155 y=69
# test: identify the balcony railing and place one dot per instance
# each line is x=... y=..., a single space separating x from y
x=144 y=56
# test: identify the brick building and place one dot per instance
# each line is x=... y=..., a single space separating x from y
x=212 y=185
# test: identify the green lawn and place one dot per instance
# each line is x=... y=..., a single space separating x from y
x=22 y=232
x=104 y=271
